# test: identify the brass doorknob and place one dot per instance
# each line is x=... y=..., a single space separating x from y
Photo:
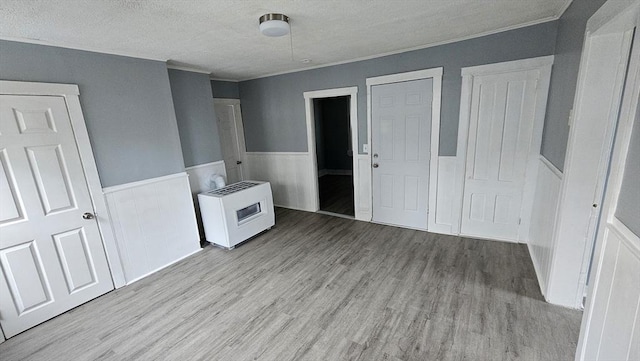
x=88 y=215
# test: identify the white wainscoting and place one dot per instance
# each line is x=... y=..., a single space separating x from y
x=199 y=175
x=611 y=324
x=153 y=222
x=289 y=176
x=543 y=219
x=441 y=206
x=362 y=197
x=199 y=181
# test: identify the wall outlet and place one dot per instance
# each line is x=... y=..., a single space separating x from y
x=365 y=148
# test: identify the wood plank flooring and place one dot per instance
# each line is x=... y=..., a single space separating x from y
x=336 y=194
x=317 y=287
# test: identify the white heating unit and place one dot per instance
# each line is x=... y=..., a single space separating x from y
x=235 y=213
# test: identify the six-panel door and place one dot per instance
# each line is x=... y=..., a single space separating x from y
x=400 y=144
x=51 y=258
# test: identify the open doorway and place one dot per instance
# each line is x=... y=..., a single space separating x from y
x=334 y=155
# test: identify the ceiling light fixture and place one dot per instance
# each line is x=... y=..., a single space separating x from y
x=274 y=24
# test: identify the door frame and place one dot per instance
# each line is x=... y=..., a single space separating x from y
x=543 y=64
x=572 y=257
x=239 y=129
x=71 y=95
x=612 y=14
x=309 y=96
x=436 y=75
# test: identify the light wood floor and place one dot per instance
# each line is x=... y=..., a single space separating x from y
x=336 y=194
x=318 y=287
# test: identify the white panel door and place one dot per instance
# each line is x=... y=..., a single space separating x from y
x=231 y=135
x=51 y=258
x=400 y=144
x=500 y=134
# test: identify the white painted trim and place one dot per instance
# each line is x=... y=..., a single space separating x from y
x=309 y=96
x=187 y=68
x=543 y=64
x=618 y=14
x=205 y=165
x=551 y=167
x=436 y=75
x=380 y=55
x=620 y=31
x=406 y=76
x=213 y=77
x=508 y=66
x=163 y=267
x=125 y=186
x=70 y=92
x=28 y=88
x=617 y=164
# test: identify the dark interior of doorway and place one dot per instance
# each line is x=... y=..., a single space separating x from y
x=334 y=155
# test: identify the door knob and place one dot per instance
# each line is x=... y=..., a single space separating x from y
x=375 y=155
x=375 y=165
x=238 y=162
x=88 y=215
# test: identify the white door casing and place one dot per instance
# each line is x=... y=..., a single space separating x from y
x=603 y=68
x=51 y=258
x=611 y=320
x=502 y=111
x=435 y=74
x=361 y=206
x=400 y=147
x=231 y=133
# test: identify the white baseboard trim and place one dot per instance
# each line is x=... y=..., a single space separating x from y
x=163 y=267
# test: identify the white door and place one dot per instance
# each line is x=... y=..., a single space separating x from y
x=610 y=327
x=231 y=134
x=51 y=258
x=400 y=144
x=502 y=115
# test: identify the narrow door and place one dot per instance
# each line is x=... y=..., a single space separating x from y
x=400 y=146
x=51 y=253
x=500 y=135
x=231 y=135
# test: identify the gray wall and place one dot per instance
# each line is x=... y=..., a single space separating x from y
x=334 y=123
x=629 y=202
x=564 y=78
x=273 y=107
x=126 y=103
x=225 y=89
x=193 y=102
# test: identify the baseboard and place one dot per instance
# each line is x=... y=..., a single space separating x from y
x=163 y=267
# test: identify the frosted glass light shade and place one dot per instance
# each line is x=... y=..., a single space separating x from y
x=274 y=25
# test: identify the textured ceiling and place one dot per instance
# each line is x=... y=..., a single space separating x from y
x=222 y=37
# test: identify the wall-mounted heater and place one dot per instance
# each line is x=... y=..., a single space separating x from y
x=237 y=212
